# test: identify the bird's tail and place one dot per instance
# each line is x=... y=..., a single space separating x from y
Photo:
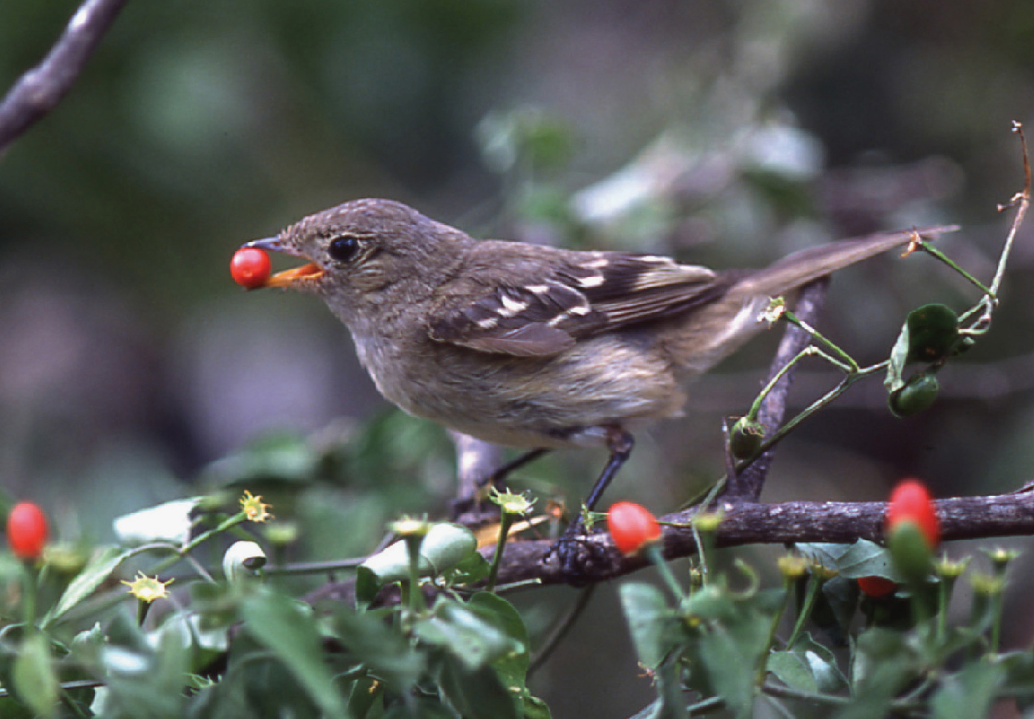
x=717 y=329
x=802 y=267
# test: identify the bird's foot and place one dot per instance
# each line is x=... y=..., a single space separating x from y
x=573 y=554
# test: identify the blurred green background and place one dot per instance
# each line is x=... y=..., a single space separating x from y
x=726 y=133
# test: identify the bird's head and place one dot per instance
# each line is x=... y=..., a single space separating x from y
x=362 y=249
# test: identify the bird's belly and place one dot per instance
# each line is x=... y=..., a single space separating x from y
x=558 y=401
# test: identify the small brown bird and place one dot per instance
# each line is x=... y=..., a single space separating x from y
x=532 y=346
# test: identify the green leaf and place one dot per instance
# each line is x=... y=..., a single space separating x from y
x=535 y=708
x=279 y=623
x=465 y=634
x=932 y=332
x=169 y=522
x=472 y=569
x=897 y=361
x=381 y=647
x=711 y=603
x=1019 y=677
x=512 y=667
x=476 y=693
x=445 y=546
x=366 y=693
x=35 y=682
x=853 y=561
x=968 y=693
x=809 y=667
x=98 y=569
x=650 y=621
x=145 y=675
x=883 y=665
x=731 y=653
x=242 y=561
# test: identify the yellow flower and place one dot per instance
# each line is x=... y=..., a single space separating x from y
x=147 y=589
x=255 y=508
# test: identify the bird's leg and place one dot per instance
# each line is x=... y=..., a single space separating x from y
x=620 y=444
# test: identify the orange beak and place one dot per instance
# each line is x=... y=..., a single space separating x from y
x=287 y=278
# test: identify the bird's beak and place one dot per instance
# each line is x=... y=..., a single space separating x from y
x=288 y=278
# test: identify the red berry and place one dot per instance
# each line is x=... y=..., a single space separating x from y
x=26 y=530
x=876 y=587
x=911 y=502
x=632 y=526
x=250 y=267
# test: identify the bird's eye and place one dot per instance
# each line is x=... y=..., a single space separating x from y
x=344 y=249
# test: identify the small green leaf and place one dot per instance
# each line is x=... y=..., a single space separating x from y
x=35 y=682
x=444 y=547
x=472 y=569
x=476 y=693
x=731 y=653
x=862 y=558
x=650 y=621
x=897 y=361
x=512 y=667
x=98 y=569
x=968 y=693
x=279 y=623
x=464 y=634
x=809 y=667
x=242 y=560
x=932 y=332
x=169 y=522
x=382 y=648
x=365 y=694
x=883 y=664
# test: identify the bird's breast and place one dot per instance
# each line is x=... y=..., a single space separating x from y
x=555 y=401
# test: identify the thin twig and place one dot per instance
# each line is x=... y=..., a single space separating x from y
x=40 y=89
x=748 y=484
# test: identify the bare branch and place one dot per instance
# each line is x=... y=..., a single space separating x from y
x=784 y=523
x=748 y=484
x=41 y=88
x=533 y=562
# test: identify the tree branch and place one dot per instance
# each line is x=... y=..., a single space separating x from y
x=749 y=523
x=784 y=523
x=747 y=485
x=37 y=91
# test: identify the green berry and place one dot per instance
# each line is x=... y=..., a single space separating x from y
x=917 y=395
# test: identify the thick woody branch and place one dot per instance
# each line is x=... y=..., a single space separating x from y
x=744 y=523
x=785 y=523
x=41 y=88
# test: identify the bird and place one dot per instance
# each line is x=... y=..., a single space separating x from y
x=532 y=346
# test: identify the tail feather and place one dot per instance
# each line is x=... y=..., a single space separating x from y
x=802 y=267
x=719 y=328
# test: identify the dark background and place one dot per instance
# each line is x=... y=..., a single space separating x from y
x=727 y=133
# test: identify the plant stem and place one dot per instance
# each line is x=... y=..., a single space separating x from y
x=802 y=618
x=655 y=553
x=505 y=520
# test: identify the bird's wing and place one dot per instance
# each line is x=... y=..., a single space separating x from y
x=580 y=295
